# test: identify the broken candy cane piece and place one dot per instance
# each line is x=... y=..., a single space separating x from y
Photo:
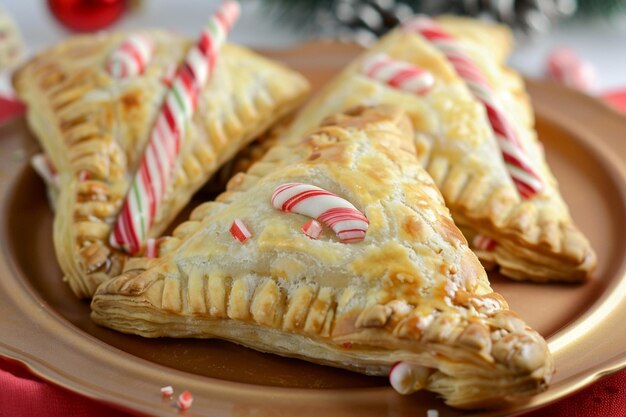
x=484 y=243
x=312 y=229
x=167 y=391
x=340 y=215
x=239 y=231
x=569 y=69
x=398 y=74
x=406 y=378
x=185 y=399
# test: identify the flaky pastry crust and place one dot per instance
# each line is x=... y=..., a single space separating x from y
x=411 y=291
x=94 y=128
x=537 y=239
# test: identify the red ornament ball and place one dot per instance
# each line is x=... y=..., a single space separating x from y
x=87 y=15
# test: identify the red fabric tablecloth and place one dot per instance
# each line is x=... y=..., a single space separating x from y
x=23 y=394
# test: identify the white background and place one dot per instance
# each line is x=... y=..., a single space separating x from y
x=602 y=43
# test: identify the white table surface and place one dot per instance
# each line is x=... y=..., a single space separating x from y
x=602 y=43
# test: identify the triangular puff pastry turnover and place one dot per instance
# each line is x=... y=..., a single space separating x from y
x=94 y=127
x=474 y=136
x=382 y=276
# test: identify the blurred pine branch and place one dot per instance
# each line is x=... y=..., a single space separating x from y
x=600 y=7
x=302 y=12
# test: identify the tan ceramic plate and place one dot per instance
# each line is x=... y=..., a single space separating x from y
x=45 y=327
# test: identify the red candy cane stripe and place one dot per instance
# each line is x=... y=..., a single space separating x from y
x=152 y=178
x=312 y=229
x=398 y=74
x=239 y=231
x=526 y=179
x=341 y=216
x=484 y=243
x=131 y=57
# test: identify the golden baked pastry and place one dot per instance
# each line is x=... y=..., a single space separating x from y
x=455 y=87
x=94 y=128
x=388 y=278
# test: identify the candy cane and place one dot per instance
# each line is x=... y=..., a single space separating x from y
x=341 y=216
x=566 y=67
x=526 y=179
x=45 y=169
x=407 y=378
x=484 y=243
x=239 y=231
x=152 y=248
x=398 y=74
x=131 y=57
x=84 y=175
x=185 y=399
x=151 y=181
x=312 y=229
x=167 y=391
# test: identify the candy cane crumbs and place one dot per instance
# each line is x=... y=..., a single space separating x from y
x=340 y=215
x=152 y=248
x=484 y=243
x=185 y=399
x=84 y=175
x=406 y=378
x=566 y=67
x=239 y=231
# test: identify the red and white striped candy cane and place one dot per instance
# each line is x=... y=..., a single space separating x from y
x=526 y=179
x=131 y=57
x=340 y=215
x=398 y=74
x=484 y=243
x=151 y=181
